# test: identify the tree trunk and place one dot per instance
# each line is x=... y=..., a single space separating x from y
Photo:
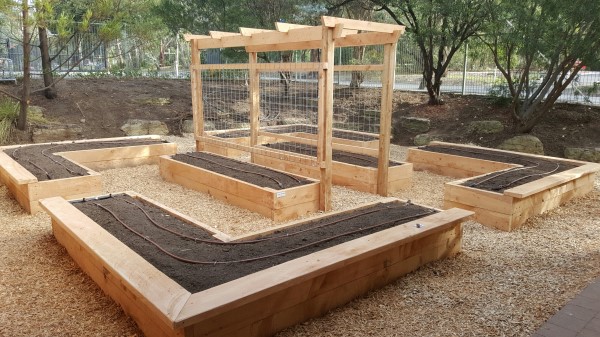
x=50 y=91
x=22 y=121
x=358 y=54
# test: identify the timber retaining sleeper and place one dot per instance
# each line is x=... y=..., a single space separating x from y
x=504 y=188
x=134 y=249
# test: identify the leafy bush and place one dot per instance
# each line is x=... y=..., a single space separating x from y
x=9 y=111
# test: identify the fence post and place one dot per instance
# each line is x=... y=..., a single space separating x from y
x=464 y=81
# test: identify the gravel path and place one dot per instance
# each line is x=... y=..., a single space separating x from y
x=502 y=284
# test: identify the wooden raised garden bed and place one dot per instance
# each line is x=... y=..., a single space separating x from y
x=352 y=170
x=342 y=139
x=214 y=285
x=504 y=188
x=276 y=195
x=38 y=171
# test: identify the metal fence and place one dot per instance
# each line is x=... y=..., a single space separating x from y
x=471 y=71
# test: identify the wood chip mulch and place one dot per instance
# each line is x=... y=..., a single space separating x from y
x=502 y=284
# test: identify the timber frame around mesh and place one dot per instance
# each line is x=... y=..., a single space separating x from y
x=333 y=32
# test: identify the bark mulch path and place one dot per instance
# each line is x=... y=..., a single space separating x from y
x=502 y=284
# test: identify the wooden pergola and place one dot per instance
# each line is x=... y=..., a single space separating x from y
x=334 y=32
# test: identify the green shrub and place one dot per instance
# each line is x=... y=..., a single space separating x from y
x=9 y=111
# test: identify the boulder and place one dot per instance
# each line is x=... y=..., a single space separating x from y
x=160 y=101
x=140 y=127
x=424 y=139
x=415 y=124
x=585 y=154
x=485 y=127
x=523 y=143
x=187 y=126
x=55 y=132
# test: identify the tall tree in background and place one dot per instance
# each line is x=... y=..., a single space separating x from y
x=25 y=93
x=440 y=27
x=540 y=47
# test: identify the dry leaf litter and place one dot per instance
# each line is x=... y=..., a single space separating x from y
x=502 y=284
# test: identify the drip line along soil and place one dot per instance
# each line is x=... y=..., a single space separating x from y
x=42 y=162
x=337 y=155
x=248 y=172
x=532 y=168
x=349 y=135
x=197 y=261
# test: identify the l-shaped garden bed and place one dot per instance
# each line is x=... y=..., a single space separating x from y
x=352 y=170
x=177 y=277
x=504 y=188
x=37 y=171
x=274 y=194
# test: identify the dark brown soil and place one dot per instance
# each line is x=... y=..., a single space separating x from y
x=41 y=161
x=106 y=103
x=337 y=155
x=349 y=135
x=532 y=169
x=566 y=125
x=248 y=172
x=210 y=264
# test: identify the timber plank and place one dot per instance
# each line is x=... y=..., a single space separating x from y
x=277 y=205
x=261 y=303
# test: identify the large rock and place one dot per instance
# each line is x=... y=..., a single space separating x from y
x=485 y=127
x=586 y=154
x=187 y=126
x=523 y=143
x=424 y=139
x=140 y=127
x=415 y=124
x=55 y=132
x=160 y=101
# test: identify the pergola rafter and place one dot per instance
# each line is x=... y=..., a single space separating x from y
x=333 y=32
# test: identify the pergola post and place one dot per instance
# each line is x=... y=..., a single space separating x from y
x=197 y=104
x=254 y=99
x=385 y=120
x=325 y=119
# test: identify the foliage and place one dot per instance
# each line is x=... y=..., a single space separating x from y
x=539 y=47
x=440 y=27
x=9 y=111
x=200 y=17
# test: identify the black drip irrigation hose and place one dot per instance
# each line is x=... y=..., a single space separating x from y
x=218 y=242
x=309 y=150
x=536 y=164
x=240 y=170
x=57 y=162
x=192 y=261
x=528 y=176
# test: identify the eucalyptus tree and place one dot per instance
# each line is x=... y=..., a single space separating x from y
x=540 y=46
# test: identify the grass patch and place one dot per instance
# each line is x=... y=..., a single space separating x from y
x=9 y=111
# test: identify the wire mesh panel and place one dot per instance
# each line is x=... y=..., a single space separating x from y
x=226 y=99
x=357 y=107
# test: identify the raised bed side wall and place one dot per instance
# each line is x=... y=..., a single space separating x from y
x=278 y=205
x=355 y=177
x=262 y=303
x=27 y=190
x=510 y=209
